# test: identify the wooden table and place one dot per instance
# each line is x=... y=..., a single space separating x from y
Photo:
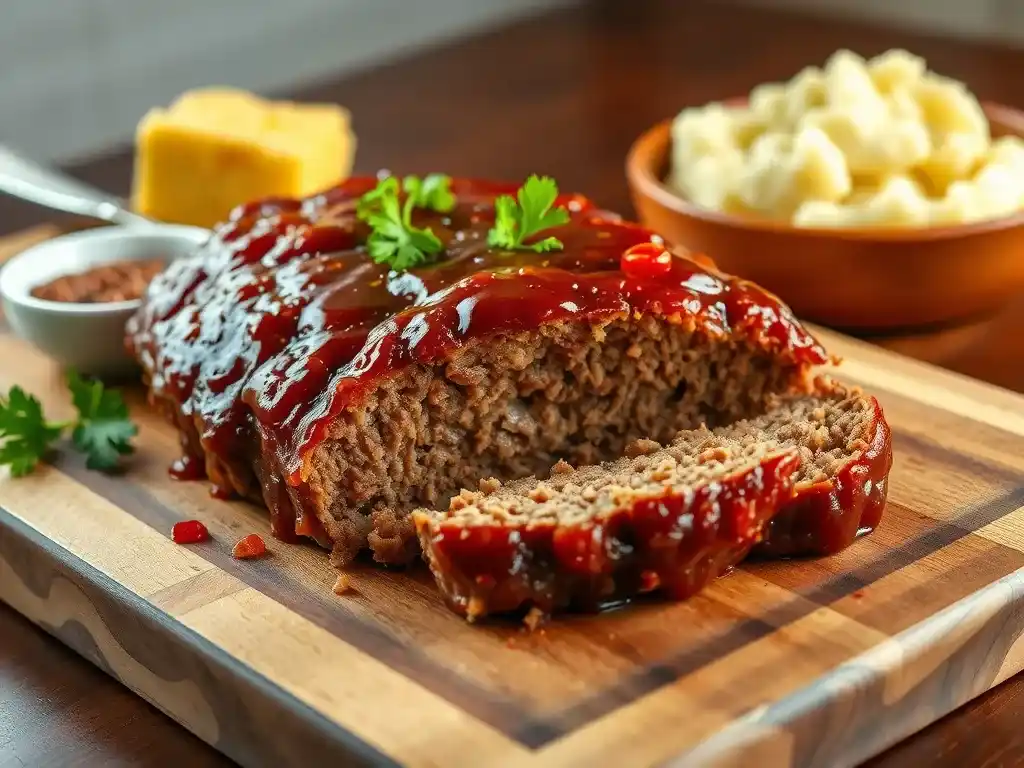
x=564 y=94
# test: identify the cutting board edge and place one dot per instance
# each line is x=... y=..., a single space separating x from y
x=89 y=612
x=910 y=674
x=918 y=676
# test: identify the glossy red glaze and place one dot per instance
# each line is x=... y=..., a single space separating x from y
x=282 y=320
x=189 y=532
x=675 y=544
x=187 y=468
x=825 y=518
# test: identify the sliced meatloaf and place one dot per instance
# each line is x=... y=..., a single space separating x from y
x=343 y=394
x=671 y=521
x=804 y=477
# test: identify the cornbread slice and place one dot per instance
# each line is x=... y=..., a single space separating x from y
x=215 y=148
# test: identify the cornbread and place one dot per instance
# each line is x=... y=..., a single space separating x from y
x=215 y=148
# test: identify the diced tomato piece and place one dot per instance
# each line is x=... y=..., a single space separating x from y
x=646 y=261
x=189 y=532
x=249 y=547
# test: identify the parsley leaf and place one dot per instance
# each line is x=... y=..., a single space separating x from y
x=530 y=212
x=25 y=435
x=374 y=199
x=394 y=240
x=433 y=192
x=104 y=430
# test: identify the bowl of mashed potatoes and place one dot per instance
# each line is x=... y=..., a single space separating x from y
x=871 y=195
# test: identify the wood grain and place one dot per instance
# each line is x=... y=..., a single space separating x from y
x=595 y=76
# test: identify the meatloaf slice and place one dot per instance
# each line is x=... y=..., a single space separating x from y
x=652 y=522
x=669 y=521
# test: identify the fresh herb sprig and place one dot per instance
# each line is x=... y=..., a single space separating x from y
x=394 y=240
x=102 y=429
x=526 y=215
x=25 y=433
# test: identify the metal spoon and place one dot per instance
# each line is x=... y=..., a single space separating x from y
x=25 y=179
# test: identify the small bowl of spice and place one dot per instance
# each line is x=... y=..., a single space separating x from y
x=71 y=296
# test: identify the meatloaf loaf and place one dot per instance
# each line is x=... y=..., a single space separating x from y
x=805 y=476
x=343 y=394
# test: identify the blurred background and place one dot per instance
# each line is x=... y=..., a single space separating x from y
x=76 y=76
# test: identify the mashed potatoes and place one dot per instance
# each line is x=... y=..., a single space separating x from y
x=879 y=143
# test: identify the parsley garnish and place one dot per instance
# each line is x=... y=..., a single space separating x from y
x=433 y=192
x=102 y=430
x=515 y=221
x=26 y=435
x=394 y=240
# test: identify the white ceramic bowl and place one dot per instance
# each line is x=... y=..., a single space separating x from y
x=87 y=337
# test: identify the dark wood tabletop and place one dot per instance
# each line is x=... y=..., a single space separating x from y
x=564 y=94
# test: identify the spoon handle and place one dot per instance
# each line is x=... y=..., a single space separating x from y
x=30 y=181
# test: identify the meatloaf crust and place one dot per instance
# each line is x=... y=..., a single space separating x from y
x=341 y=394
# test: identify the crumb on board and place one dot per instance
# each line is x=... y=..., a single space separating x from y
x=534 y=618
x=343 y=585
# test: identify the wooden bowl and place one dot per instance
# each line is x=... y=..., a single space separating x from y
x=857 y=279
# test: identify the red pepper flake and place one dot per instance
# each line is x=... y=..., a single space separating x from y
x=646 y=261
x=649 y=581
x=249 y=547
x=189 y=532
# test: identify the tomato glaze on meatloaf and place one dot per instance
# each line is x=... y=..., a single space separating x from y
x=343 y=394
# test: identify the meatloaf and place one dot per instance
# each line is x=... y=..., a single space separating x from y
x=344 y=394
x=803 y=477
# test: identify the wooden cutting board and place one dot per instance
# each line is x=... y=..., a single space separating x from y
x=812 y=663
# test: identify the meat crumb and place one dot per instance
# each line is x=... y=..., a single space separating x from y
x=714 y=454
x=540 y=494
x=641 y=447
x=343 y=585
x=476 y=608
x=534 y=618
x=489 y=485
